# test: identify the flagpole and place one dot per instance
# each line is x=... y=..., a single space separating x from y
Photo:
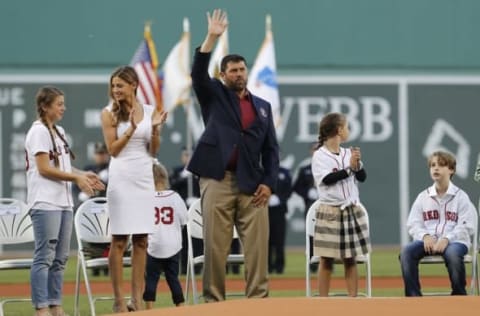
x=188 y=132
x=268 y=23
x=189 y=149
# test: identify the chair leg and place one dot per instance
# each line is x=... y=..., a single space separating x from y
x=194 y=284
x=307 y=277
x=76 y=311
x=91 y=302
x=368 y=276
x=1 y=308
x=187 y=284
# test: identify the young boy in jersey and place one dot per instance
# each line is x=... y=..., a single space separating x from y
x=440 y=222
x=165 y=243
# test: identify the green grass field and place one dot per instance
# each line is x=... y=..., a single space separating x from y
x=384 y=264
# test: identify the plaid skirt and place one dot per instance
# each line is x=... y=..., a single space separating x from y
x=341 y=233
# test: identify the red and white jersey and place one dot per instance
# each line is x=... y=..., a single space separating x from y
x=170 y=216
x=43 y=192
x=451 y=216
x=343 y=192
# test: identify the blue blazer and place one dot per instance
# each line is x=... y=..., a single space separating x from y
x=258 y=160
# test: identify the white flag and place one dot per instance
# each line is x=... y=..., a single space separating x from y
x=176 y=72
x=221 y=50
x=262 y=80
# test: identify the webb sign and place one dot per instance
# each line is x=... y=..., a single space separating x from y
x=397 y=122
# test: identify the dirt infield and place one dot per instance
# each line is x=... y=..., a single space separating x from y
x=439 y=306
x=276 y=284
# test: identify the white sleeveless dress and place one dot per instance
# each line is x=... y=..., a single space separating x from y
x=131 y=190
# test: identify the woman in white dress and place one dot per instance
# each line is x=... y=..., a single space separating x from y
x=132 y=135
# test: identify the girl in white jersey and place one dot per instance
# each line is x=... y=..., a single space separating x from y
x=49 y=198
x=341 y=229
x=441 y=222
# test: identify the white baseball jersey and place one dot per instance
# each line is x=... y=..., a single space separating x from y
x=170 y=216
x=341 y=193
x=43 y=192
x=451 y=216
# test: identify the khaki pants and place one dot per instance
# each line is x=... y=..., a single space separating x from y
x=222 y=207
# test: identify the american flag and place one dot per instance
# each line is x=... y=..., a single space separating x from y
x=145 y=62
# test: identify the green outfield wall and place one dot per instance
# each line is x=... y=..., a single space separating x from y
x=310 y=35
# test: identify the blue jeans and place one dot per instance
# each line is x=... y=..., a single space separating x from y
x=154 y=268
x=453 y=257
x=52 y=231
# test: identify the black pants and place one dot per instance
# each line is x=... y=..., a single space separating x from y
x=154 y=268
x=276 y=241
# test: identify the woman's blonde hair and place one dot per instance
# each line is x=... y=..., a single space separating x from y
x=119 y=108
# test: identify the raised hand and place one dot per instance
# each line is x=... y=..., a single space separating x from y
x=158 y=118
x=355 y=158
x=217 y=22
x=131 y=118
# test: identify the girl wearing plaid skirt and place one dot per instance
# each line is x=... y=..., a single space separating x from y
x=341 y=229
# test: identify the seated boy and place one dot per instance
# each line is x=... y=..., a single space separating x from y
x=441 y=221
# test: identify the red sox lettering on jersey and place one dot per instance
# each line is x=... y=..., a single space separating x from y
x=434 y=215
x=448 y=216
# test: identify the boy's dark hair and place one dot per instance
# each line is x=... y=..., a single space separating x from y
x=231 y=58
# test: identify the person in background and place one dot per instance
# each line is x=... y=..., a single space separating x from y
x=277 y=210
x=165 y=243
x=341 y=229
x=441 y=222
x=50 y=201
x=131 y=131
x=304 y=186
x=236 y=158
x=101 y=159
x=179 y=179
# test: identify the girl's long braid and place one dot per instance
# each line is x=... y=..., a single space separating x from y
x=72 y=155
x=54 y=154
x=320 y=141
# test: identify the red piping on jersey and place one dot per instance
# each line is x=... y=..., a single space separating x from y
x=445 y=212
x=343 y=165
x=436 y=226
x=67 y=189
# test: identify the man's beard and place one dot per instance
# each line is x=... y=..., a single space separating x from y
x=238 y=85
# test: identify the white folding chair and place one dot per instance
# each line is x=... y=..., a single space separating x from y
x=309 y=232
x=470 y=258
x=92 y=225
x=195 y=230
x=15 y=228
